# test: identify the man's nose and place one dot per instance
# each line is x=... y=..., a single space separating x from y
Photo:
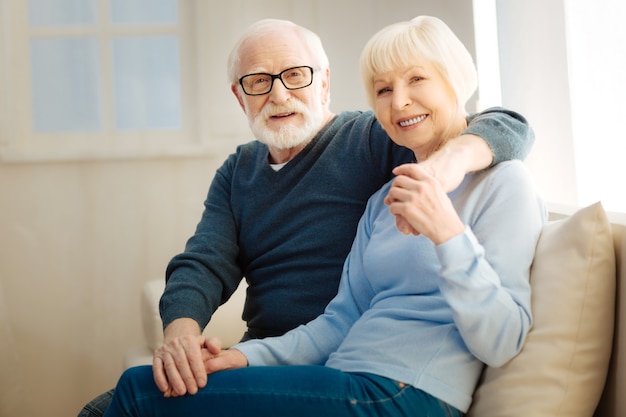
x=279 y=92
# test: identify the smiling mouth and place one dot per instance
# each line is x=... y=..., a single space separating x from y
x=412 y=121
x=281 y=115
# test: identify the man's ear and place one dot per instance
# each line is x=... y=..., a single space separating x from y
x=326 y=86
x=235 y=89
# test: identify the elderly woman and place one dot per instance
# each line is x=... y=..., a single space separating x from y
x=435 y=286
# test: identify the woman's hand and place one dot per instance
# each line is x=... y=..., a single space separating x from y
x=215 y=359
x=421 y=205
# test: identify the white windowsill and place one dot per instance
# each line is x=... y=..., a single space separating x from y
x=17 y=155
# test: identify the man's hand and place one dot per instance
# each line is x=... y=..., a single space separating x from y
x=467 y=153
x=178 y=365
x=421 y=205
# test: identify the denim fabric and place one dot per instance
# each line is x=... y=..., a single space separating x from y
x=274 y=391
x=97 y=406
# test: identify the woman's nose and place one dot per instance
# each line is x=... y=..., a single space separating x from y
x=401 y=98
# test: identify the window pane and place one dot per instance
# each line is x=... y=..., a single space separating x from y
x=65 y=84
x=144 y=11
x=146 y=82
x=61 y=12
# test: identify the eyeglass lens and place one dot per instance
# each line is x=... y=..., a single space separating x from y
x=262 y=83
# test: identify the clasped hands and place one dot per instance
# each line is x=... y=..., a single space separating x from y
x=182 y=364
x=420 y=203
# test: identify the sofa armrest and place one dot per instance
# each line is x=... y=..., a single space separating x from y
x=150 y=317
x=226 y=324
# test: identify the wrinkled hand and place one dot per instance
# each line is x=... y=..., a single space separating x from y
x=181 y=365
x=178 y=366
x=421 y=206
x=446 y=166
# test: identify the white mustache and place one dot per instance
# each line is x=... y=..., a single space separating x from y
x=293 y=106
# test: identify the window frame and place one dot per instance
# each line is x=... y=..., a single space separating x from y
x=18 y=140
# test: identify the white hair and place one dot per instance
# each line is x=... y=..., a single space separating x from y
x=310 y=39
x=422 y=38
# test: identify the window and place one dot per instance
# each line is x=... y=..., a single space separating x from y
x=98 y=78
x=486 y=33
x=597 y=58
x=559 y=63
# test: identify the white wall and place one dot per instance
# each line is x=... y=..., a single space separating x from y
x=78 y=239
x=344 y=27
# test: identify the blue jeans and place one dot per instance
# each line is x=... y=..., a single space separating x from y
x=97 y=406
x=275 y=391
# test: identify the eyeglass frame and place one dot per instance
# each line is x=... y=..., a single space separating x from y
x=274 y=77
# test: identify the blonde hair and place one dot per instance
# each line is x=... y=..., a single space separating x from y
x=427 y=38
x=311 y=41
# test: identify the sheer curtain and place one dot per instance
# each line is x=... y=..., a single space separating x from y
x=560 y=66
x=596 y=38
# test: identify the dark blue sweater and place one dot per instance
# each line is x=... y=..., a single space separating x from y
x=289 y=232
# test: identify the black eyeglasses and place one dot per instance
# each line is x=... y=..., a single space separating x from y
x=292 y=78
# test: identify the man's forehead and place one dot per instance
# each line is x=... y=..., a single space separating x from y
x=273 y=55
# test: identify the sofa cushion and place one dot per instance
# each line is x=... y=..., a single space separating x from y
x=562 y=368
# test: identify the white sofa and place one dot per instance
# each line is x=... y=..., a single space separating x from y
x=573 y=363
x=225 y=324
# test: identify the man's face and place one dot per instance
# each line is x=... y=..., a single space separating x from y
x=282 y=118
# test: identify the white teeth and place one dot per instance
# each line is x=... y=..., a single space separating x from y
x=412 y=121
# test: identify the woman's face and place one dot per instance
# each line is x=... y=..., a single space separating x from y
x=416 y=107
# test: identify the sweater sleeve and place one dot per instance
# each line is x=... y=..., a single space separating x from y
x=508 y=133
x=206 y=274
x=485 y=270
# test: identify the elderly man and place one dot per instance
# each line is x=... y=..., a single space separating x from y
x=282 y=210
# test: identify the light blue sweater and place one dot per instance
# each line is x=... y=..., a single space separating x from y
x=428 y=315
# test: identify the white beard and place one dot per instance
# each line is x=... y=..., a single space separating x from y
x=288 y=136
